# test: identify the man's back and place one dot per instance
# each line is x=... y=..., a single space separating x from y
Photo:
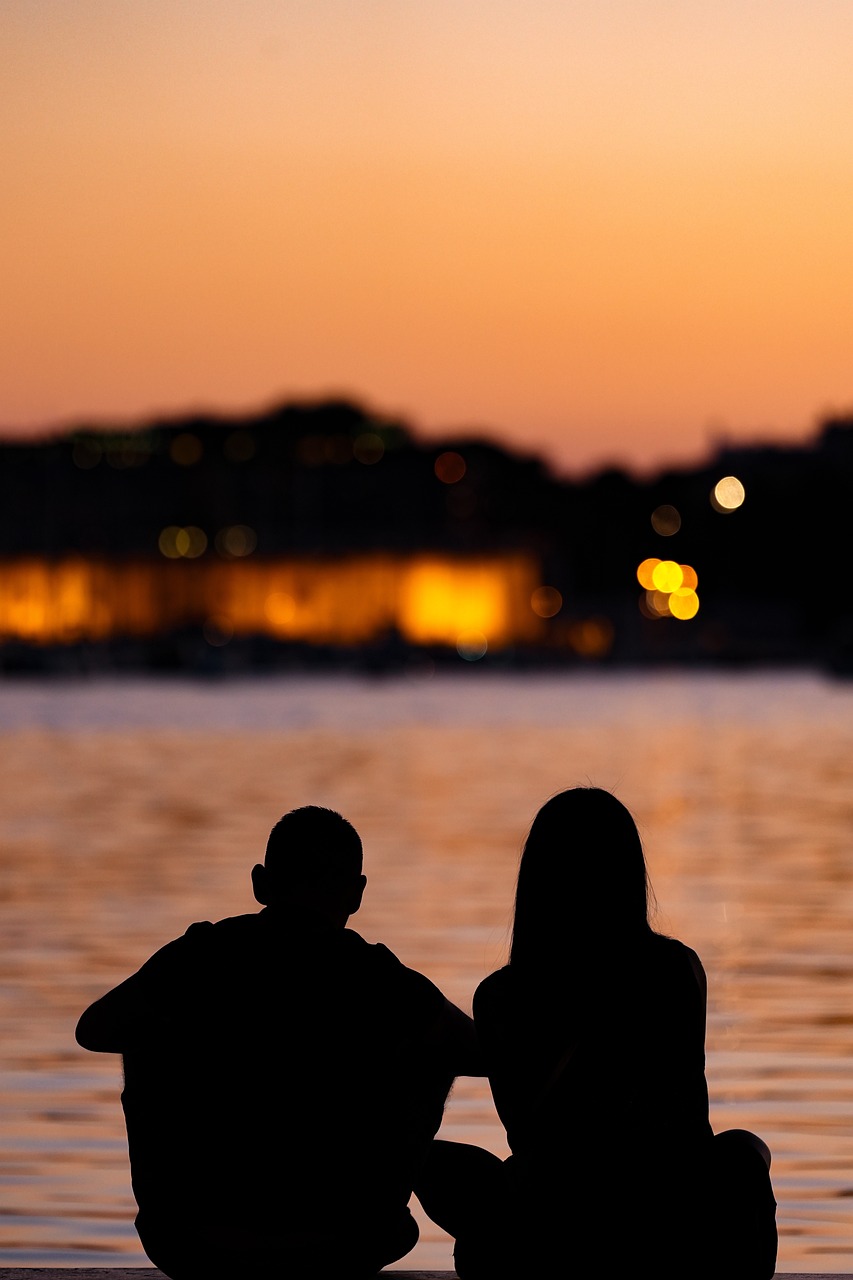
x=282 y=1081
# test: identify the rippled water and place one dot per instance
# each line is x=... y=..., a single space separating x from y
x=130 y=809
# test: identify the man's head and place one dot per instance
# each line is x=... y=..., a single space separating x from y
x=313 y=865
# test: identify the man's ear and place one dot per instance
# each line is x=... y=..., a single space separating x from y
x=259 y=884
x=357 y=895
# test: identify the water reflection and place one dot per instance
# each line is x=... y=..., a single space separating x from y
x=129 y=810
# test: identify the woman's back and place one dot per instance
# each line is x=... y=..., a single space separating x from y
x=593 y=1039
x=612 y=1050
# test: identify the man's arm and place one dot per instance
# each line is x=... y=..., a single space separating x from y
x=124 y=1017
x=459 y=1041
x=107 y=1026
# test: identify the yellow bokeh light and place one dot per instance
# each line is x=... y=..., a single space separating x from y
x=175 y=542
x=167 y=542
x=546 y=602
x=191 y=542
x=728 y=494
x=235 y=541
x=667 y=576
x=645 y=573
x=684 y=603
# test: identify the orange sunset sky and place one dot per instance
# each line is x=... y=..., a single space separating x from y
x=604 y=230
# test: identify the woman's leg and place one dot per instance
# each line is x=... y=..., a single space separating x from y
x=459 y=1185
x=744 y=1205
x=464 y=1190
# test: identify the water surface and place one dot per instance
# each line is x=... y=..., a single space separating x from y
x=130 y=808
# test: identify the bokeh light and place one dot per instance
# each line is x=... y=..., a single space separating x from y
x=591 y=637
x=236 y=541
x=368 y=448
x=727 y=495
x=684 y=603
x=186 y=449
x=667 y=576
x=670 y=590
x=666 y=520
x=645 y=573
x=188 y=543
x=450 y=467
x=546 y=602
x=280 y=609
x=471 y=645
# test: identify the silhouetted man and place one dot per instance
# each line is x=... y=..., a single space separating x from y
x=283 y=1078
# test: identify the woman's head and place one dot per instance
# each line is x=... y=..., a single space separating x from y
x=582 y=873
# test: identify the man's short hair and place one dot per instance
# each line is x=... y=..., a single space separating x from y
x=313 y=844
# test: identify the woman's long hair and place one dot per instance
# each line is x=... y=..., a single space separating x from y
x=582 y=876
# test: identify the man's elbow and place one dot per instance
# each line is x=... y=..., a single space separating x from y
x=92 y=1035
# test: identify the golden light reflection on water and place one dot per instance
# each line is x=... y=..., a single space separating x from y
x=113 y=840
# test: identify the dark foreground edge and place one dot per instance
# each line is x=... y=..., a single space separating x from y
x=151 y=1273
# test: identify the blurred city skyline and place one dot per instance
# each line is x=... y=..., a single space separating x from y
x=604 y=233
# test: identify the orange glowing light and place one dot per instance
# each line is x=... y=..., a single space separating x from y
x=645 y=573
x=546 y=602
x=690 y=578
x=667 y=576
x=592 y=638
x=440 y=601
x=450 y=467
x=348 y=600
x=280 y=610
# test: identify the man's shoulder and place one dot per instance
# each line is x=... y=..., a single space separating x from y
x=387 y=972
x=209 y=932
x=203 y=938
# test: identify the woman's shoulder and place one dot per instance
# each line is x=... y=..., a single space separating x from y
x=671 y=947
x=676 y=955
x=493 y=989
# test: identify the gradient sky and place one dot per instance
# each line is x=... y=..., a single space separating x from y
x=598 y=229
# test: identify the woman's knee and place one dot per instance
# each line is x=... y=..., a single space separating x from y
x=731 y=1140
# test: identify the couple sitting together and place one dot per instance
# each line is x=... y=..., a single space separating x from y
x=284 y=1080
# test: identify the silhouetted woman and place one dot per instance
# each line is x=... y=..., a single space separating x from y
x=594 y=1044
